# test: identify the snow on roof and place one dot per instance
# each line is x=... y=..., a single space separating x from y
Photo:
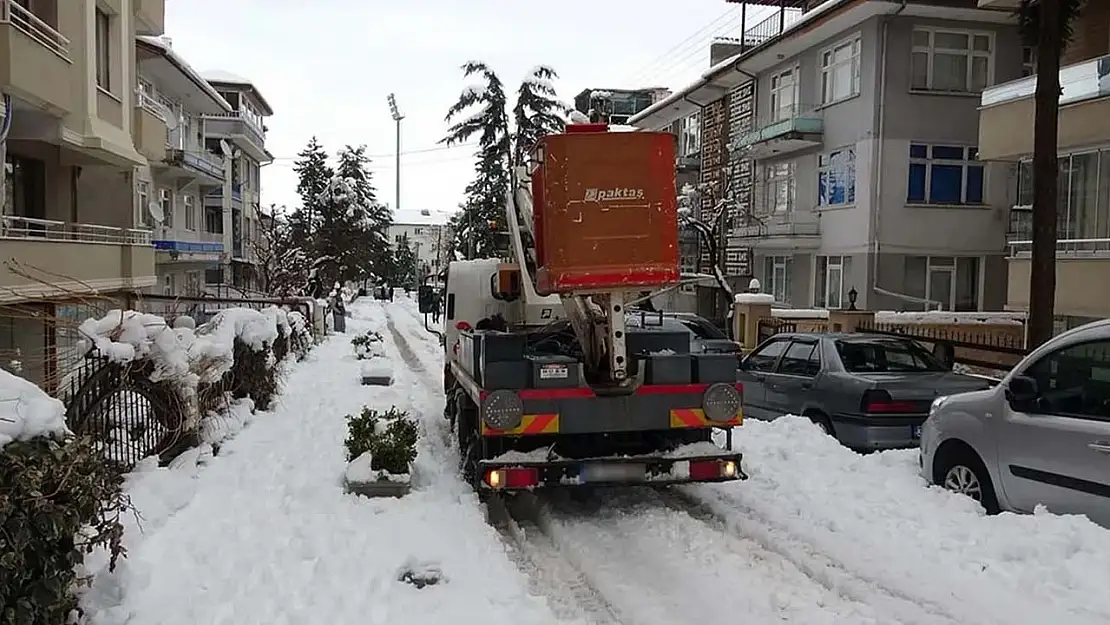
x=27 y=412
x=224 y=77
x=423 y=217
x=166 y=49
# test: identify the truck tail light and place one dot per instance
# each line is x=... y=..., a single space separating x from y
x=702 y=470
x=516 y=477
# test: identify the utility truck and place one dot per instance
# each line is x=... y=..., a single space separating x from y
x=545 y=385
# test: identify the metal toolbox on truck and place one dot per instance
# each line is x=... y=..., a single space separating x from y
x=501 y=360
x=711 y=368
x=554 y=372
x=665 y=368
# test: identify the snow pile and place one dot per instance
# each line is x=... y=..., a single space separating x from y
x=27 y=412
x=800 y=313
x=218 y=427
x=873 y=516
x=942 y=317
x=754 y=298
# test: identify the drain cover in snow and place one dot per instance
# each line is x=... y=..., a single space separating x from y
x=420 y=574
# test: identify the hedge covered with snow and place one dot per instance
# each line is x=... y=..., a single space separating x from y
x=60 y=497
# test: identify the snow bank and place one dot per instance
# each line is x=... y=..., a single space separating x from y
x=941 y=317
x=800 y=313
x=754 y=298
x=873 y=515
x=27 y=412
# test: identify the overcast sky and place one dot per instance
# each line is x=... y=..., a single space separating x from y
x=327 y=66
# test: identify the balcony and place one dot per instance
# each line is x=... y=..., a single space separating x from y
x=238 y=128
x=149 y=128
x=214 y=198
x=787 y=130
x=56 y=258
x=785 y=227
x=691 y=162
x=206 y=248
x=1006 y=113
x=1080 y=265
x=197 y=163
x=36 y=63
x=150 y=17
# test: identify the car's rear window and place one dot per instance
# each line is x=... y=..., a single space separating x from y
x=885 y=355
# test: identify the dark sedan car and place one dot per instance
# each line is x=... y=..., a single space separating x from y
x=869 y=391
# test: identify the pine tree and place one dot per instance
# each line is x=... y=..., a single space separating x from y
x=313 y=175
x=368 y=239
x=403 y=266
x=488 y=120
x=538 y=111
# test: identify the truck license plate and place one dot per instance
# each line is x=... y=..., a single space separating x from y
x=616 y=472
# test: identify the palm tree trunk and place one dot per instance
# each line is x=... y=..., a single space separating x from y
x=1042 y=278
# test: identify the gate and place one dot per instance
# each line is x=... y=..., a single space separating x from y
x=120 y=407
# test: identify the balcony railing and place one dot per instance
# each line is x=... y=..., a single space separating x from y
x=236 y=192
x=201 y=161
x=795 y=119
x=771 y=27
x=1098 y=248
x=29 y=24
x=258 y=131
x=150 y=105
x=1078 y=82
x=793 y=222
x=50 y=230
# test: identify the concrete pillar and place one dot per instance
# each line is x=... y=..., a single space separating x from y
x=749 y=308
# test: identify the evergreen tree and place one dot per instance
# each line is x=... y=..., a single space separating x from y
x=313 y=175
x=403 y=265
x=370 y=218
x=538 y=111
x=486 y=116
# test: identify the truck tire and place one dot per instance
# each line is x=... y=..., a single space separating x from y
x=466 y=434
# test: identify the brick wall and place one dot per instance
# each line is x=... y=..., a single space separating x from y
x=1090 y=34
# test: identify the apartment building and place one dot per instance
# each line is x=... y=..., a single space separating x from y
x=848 y=145
x=67 y=135
x=616 y=106
x=236 y=205
x=182 y=171
x=427 y=233
x=1083 y=212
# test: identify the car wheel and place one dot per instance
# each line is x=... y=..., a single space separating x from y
x=822 y=422
x=961 y=471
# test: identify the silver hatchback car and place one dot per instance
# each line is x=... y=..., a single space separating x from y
x=1041 y=436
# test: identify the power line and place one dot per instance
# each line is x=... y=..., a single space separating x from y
x=646 y=70
x=389 y=165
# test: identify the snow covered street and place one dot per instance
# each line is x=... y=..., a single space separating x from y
x=264 y=534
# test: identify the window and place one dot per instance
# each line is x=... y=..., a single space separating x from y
x=952 y=61
x=944 y=174
x=784 y=94
x=836 y=178
x=165 y=201
x=143 y=192
x=213 y=220
x=417 y=231
x=1028 y=61
x=779 y=188
x=801 y=359
x=689 y=142
x=169 y=285
x=190 y=212
x=953 y=282
x=1074 y=381
x=776 y=278
x=886 y=355
x=840 y=71
x=103 y=50
x=25 y=187
x=688 y=264
x=764 y=359
x=829 y=288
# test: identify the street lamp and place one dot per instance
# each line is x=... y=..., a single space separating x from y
x=397 y=117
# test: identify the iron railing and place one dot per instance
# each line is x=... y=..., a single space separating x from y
x=1078 y=247
x=31 y=25
x=12 y=227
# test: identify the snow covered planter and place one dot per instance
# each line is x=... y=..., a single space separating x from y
x=368 y=345
x=381 y=447
x=59 y=500
x=376 y=370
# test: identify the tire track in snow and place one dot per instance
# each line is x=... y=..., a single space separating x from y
x=819 y=567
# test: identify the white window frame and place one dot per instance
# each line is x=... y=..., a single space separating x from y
x=688 y=263
x=784 y=94
x=690 y=137
x=166 y=201
x=828 y=169
x=780 y=188
x=949 y=265
x=971 y=53
x=190 y=205
x=829 y=65
x=772 y=266
x=142 y=192
x=965 y=164
x=831 y=262
x=102 y=30
x=1028 y=61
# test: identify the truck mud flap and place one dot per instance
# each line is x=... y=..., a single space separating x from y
x=509 y=475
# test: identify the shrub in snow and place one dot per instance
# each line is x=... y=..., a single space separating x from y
x=385 y=442
x=368 y=345
x=59 y=501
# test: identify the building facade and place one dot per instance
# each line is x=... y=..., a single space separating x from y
x=841 y=178
x=70 y=141
x=1083 y=211
x=428 y=236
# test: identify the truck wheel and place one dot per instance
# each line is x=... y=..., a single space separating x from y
x=466 y=423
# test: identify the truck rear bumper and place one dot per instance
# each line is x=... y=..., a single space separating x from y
x=512 y=475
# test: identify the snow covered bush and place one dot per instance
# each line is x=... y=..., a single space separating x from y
x=59 y=499
x=300 y=334
x=368 y=345
x=384 y=441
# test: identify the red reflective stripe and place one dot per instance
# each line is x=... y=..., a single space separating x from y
x=671 y=389
x=556 y=393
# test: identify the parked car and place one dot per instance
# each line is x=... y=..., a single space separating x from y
x=1041 y=436
x=704 y=336
x=869 y=391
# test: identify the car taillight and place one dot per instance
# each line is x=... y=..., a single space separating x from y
x=880 y=402
x=515 y=477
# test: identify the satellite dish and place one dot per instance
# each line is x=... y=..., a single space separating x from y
x=225 y=147
x=155 y=210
